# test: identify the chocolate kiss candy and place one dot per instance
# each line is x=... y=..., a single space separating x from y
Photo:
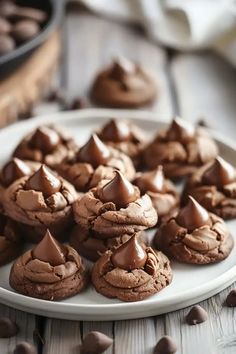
x=231 y=298
x=196 y=315
x=129 y=256
x=94 y=152
x=166 y=345
x=119 y=191
x=43 y=181
x=181 y=130
x=45 y=139
x=152 y=181
x=49 y=250
x=8 y=328
x=219 y=173
x=193 y=215
x=95 y=343
x=14 y=170
x=116 y=131
x=121 y=67
x=25 y=348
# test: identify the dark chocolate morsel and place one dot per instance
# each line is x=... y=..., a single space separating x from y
x=116 y=131
x=95 y=343
x=77 y=103
x=7 y=44
x=152 y=181
x=196 y=315
x=45 y=139
x=120 y=68
x=49 y=250
x=25 y=348
x=25 y=30
x=219 y=173
x=129 y=256
x=8 y=328
x=119 y=191
x=94 y=152
x=43 y=181
x=14 y=170
x=180 y=130
x=166 y=345
x=193 y=215
x=231 y=299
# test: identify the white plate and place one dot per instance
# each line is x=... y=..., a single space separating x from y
x=190 y=284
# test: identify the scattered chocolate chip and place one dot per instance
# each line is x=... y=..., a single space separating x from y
x=95 y=343
x=8 y=328
x=25 y=348
x=203 y=123
x=57 y=95
x=25 y=30
x=196 y=315
x=166 y=345
x=5 y=26
x=78 y=103
x=231 y=299
x=7 y=44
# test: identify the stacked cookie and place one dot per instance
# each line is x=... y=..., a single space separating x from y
x=102 y=197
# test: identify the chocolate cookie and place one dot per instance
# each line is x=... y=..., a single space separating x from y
x=181 y=149
x=47 y=144
x=195 y=236
x=126 y=137
x=124 y=84
x=10 y=240
x=51 y=271
x=94 y=162
x=92 y=245
x=214 y=187
x=41 y=201
x=162 y=192
x=131 y=273
x=115 y=208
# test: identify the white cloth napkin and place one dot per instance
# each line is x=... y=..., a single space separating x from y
x=180 y=24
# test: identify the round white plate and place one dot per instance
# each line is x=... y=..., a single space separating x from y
x=190 y=285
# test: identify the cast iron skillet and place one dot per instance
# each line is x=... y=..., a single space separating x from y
x=10 y=61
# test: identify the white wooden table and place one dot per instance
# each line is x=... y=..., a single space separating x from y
x=191 y=85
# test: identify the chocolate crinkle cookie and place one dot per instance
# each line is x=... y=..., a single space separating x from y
x=181 y=149
x=124 y=84
x=40 y=201
x=214 y=187
x=50 y=271
x=47 y=144
x=195 y=236
x=115 y=208
x=126 y=137
x=131 y=272
x=163 y=193
x=93 y=163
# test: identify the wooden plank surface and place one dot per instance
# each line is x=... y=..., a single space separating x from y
x=202 y=85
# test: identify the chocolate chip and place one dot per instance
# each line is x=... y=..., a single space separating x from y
x=7 y=44
x=5 y=26
x=166 y=345
x=25 y=30
x=57 y=95
x=231 y=299
x=25 y=348
x=78 y=103
x=8 y=328
x=196 y=315
x=95 y=343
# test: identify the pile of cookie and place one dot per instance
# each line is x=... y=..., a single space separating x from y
x=101 y=198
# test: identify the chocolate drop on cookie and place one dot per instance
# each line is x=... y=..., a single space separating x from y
x=129 y=256
x=95 y=343
x=120 y=68
x=116 y=131
x=94 y=152
x=180 y=130
x=25 y=30
x=14 y=170
x=231 y=299
x=219 y=173
x=45 y=139
x=193 y=215
x=7 y=44
x=8 y=328
x=25 y=348
x=196 y=315
x=119 y=191
x=43 y=181
x=152 y=181
x=166 y=345
x=49 y=250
